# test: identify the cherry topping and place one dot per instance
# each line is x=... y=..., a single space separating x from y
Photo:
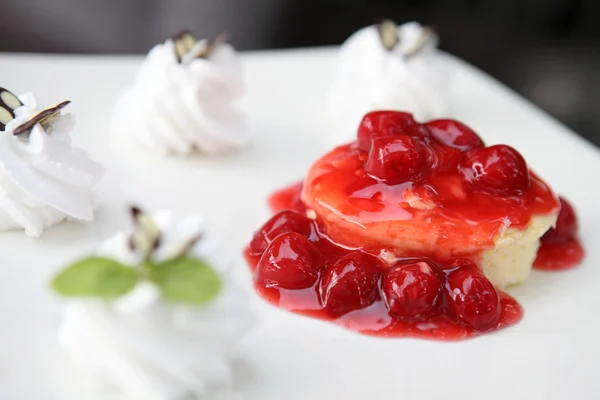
x=498 y=168
x=287 y=263
x=566 y=225
x=472 y=298
x=411 y=290
x=378 y=124
x=454 y=134
x=283 y=221
x=350 y=284
x=395 y=159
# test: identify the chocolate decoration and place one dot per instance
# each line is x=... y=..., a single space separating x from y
x=146 y=235
x=45 y=118
x=388 y=33
x=209 y=47
x=184 y=43
x=189 y=245
x=427 y=34
x=8 y=104
x=187 y=46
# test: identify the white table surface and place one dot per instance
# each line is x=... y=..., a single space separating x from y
x=554 y=353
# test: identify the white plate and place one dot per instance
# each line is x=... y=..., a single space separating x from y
x=554 y=353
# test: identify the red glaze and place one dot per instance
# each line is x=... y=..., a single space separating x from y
x=424 y=197
x=287 y=199
x=560 y=249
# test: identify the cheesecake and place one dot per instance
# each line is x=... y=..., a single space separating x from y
x=411 y=230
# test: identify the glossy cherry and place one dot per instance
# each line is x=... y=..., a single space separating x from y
x=566 y=225
x=472 y=298
x=287 y=263
x=395 y=159
x=378 y=124
x=350 y=284
x=454 y=134
x=412 y=290
x=283 y=221
x=498 y=168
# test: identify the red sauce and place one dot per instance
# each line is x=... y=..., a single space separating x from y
x=373 y=320
x=435 y=196
x=559 y=256
x=560 y=248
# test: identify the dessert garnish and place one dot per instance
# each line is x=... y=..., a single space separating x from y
x=155 y=311
x=179 y=276
x=44 y=179
x=8 y=104
x=414 y=229
x=388 y=67
x=390 y=38
x=183 y=100
x=388 y=33
x=188 y=47
x=45 y=118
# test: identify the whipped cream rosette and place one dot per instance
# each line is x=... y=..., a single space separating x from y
x=155 y=311
x=183 y=99
x=43 y=179
x=389 y=67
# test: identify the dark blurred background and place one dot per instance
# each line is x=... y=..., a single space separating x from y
x=547 y=50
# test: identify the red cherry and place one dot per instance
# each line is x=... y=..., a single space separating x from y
x=395 y=159
x=454 y=134
x=472 y=298
x=411 y=290
x=497 y=168
x=566 y=225
x=283 y=221
x=381 y=124
x=442 y=158
x=287 y=263
x=350 y=284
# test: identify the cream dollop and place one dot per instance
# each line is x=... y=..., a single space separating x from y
x=153 y=349
x=43 y=179
x=369 y=77
x=178 y=108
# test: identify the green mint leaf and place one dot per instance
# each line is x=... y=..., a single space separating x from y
x=187 y=280
x=95 y=277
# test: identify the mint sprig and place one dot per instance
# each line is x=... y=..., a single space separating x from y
x=187 y=280
x=180 y=279
x=96 y=277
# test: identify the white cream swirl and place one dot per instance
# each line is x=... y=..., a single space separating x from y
x=369 y=77
x=43 y=180
x=177 y=108
x=153 y=349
